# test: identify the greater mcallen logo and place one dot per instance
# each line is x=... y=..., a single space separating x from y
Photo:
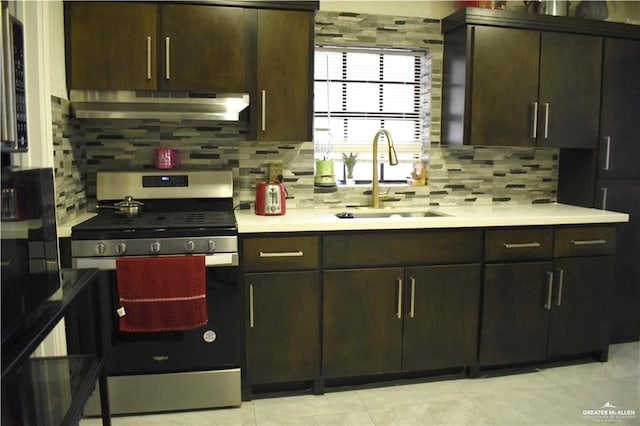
x=609 y=413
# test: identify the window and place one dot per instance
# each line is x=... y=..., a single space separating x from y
x=358 y=91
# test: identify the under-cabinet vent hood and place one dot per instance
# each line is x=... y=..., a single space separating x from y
x=160 y=105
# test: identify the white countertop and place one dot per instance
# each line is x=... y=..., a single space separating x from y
x=300 y=220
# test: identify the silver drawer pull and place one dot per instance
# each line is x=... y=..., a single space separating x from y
x=547 y=305
x=607 y=153
x=264 y=111
x=299 y=253
x=534 y=124
x=412 y=311
x=521 y=245
x=560 y=284
x=588 y=242
x=148 y=57
x=167 y=56
x=251 y=318
x=604 y=197
x=399 y=311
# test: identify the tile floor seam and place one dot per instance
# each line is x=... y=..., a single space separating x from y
x=487 y=415
x=366 y=408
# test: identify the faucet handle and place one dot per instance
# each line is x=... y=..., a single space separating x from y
x=384 y=195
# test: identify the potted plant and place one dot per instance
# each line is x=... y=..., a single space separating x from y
x=349 y=163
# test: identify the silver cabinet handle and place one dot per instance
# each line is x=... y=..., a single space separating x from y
x=251 y=323
x=8 y=82
x=534 y=126
x=533 y=244
x=588 y=242
x=607 y=153
x=604 y=197
x=167 y=57
x=549 y=290
x=298 y=253
x=399 y=312
x=560 y=282
x=413 y=297
x=546 y=119
x=264 y=110
x=148 y=57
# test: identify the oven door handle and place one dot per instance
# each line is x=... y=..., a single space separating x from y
x=109 y=263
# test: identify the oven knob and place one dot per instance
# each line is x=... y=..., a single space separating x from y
x=155 y=247
x=189 y=246
x=101 y=248
x=121 y=248
x=212 y=246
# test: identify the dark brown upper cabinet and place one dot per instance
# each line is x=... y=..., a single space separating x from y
x=505 y=86
x=283 y=106
x=619 y=130
x=202 y=48
x=111 y=46
x=144 y=46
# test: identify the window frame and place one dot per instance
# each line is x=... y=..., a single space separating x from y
x=331 y=147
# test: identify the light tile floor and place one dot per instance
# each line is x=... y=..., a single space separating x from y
x=549 y=396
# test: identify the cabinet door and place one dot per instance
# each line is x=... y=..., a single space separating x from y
x=202 y=48
x=504 y=86
x=580 y=313
x=620 y=115
x=514 y=316
x=283 y=326
x=362 y=321
x=441 y=317
x=284 y=60
x=622 y=195
x=112 y=46
x=569 y=102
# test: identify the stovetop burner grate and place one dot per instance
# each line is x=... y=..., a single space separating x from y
x=195 y=217
x=179 y=223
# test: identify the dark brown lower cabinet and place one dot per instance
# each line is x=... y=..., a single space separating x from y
x=390 y=320
x=579 y=319
x=541 y=310
x=622 y=195
x=283 y=326
x=441 y=317
x=514 y=317
x=362 y=331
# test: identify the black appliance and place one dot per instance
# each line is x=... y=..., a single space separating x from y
x=13 y=111
x=184 y=213
x=29 y=269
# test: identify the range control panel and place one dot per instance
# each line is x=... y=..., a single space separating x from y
x=165 y=181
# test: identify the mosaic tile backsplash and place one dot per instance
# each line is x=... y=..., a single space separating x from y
x=457 y=175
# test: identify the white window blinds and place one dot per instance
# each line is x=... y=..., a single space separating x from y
x=358 y=91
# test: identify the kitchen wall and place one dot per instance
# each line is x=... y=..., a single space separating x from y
x=457 y=175
x=619 y=11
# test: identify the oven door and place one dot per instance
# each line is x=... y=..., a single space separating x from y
x=215 y=346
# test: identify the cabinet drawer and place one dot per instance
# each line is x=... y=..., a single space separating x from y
x=346 y=250
x=280 y=253
x=518 y=244
x=585 y=241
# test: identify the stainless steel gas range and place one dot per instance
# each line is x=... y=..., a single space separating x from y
x=182 y=213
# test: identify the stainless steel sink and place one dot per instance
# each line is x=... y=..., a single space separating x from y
x=391 y=214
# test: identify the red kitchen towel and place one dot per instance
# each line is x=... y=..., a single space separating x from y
x=161 y=293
